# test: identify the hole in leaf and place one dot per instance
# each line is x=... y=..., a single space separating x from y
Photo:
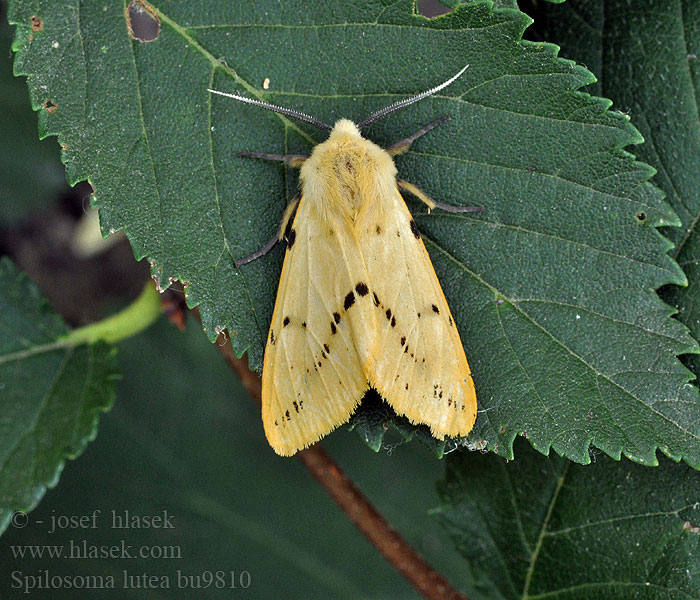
x=432 y=8
x=641 y=217
x=37 y=24
x=49 y=106
x=142 y=21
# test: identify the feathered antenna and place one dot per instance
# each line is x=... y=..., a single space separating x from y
x=289 y=112
x=408 y=101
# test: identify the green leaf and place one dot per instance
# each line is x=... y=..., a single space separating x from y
x=547 y=528
x=552 y=286
x=51 y=393
x=649 y=61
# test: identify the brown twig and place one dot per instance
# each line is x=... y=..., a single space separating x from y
x=353 y=503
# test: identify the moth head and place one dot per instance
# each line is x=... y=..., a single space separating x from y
x=300 y=116
x=345 y=127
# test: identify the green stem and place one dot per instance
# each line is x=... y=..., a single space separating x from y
x=136 y=317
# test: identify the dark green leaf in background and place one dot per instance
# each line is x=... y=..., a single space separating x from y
x=552 y=286
x=547 y=528
x=50 y=393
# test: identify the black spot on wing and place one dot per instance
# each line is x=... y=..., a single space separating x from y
x=403 y=340
x=326 y=348
x=304 y=324
x=362 y=289
x=414 y=229
x=336 y=317
x=435 y=309
x=393 y=321
x=291 y=238
x=272 y=337
x=388 y=314
x=378 y=230
x=376 y=299
x=349 y=300
x=285 y=322
x=334 y=329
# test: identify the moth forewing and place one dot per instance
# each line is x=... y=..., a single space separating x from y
x=321 y=335
x=421 y=368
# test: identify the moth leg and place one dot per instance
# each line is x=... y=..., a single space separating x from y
x=403 y=145
x=286 y=220
x=293 y=160
x=421 y=195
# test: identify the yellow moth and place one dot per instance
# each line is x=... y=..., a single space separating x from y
x=358 y=303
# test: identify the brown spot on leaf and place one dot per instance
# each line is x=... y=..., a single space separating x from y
x=37 y=24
